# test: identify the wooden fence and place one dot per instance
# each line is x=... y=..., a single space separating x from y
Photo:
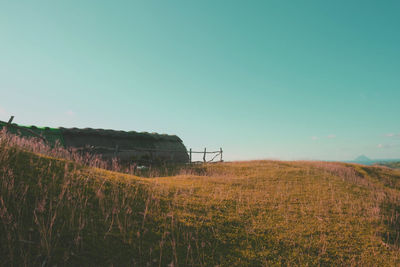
x=205 y=152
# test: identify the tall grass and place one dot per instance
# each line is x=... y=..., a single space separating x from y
x=38 y=146
x=84 y=158
x=54 y=211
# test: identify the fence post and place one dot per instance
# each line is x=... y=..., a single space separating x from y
x=10 y=120
x=190 y=155
x=204 y=157
x=220 y=152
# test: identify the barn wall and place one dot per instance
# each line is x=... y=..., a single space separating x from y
x=127 y=146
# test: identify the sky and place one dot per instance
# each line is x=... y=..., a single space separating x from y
x=290 y=80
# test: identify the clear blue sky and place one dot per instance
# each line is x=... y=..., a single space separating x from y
x=262 y=79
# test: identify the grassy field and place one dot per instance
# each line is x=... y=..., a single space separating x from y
x=259 y=213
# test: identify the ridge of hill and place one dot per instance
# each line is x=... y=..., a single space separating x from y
x=54 y=211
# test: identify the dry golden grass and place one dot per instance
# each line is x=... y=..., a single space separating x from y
x=295 y=212
x=259 y=213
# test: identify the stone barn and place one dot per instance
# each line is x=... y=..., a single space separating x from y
x=127 y=147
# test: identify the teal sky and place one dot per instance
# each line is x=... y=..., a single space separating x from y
x=261 y=79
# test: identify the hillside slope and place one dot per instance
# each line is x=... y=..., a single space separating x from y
x=241 y=214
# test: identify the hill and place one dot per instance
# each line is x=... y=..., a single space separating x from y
x=362 y=158
x=56 y=211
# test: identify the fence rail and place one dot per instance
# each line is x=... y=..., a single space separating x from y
x=205 y=152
